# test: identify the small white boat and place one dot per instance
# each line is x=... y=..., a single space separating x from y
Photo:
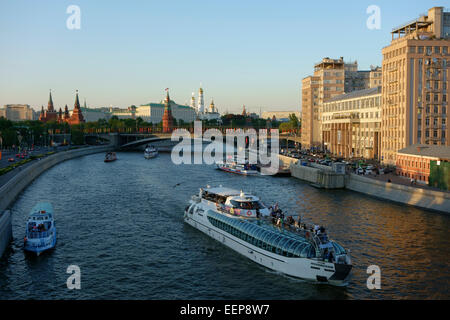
x=41 y=230
x=150 y=152
x=110 y=157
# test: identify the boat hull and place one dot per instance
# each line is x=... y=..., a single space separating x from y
x=300 y=268
x=150 y=155
x=237 y=171
x=37 y=246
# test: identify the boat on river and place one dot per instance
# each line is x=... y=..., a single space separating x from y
x=110 y=157
x=238 y=166
x=150 y=152
x=243 y=223
x=41 y=231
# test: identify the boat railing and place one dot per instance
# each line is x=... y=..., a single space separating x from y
x=38 y=234
x=318 y=241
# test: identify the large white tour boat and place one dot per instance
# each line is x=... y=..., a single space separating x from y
x=243 y=223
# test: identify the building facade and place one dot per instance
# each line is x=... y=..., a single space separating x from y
x=415 y=84
x=414 y=162
x=153 y=112
x=328 y=81
x=351 y=124
x=310 y=112
x=356 y=80
x=17 y=112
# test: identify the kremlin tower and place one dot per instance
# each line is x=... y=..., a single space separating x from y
x=167 y=119
x=212 y=108
x=77 y=116
x=52 y=115
x=201 y=102
x=193 y=101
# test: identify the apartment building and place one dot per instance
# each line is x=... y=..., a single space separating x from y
x=351 y=124
x=415 y=84
x=332 y=77
x=327 y=82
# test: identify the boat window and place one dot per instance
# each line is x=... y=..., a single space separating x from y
x=298 y=249
x=338 y=248
x=247 y=205
x=311 y=252
x=275 y=239
x=305 y=251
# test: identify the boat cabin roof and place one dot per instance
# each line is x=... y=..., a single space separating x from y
x=221 y=191
x=42 y=208
x=242 y=197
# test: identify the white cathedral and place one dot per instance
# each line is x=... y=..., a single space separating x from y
x=203 y=113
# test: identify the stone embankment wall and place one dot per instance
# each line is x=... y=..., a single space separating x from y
x=5 y=230
x=324 y=178
x=419 y=197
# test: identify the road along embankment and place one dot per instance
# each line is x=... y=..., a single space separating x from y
x=11 y=189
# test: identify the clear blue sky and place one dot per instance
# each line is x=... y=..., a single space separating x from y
x=251 y=52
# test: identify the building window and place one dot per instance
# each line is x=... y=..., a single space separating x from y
x=437 y=49
x=429 y=50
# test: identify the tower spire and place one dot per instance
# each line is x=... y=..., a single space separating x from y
x=167 y=118
x=77 y=102
x=50 y=102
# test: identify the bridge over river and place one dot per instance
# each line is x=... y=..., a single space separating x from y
x=126 y=141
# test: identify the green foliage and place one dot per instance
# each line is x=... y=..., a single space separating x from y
x=13 y=166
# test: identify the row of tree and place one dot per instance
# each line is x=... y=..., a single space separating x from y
x=30 y=132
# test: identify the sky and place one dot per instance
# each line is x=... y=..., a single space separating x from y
x=244 y=52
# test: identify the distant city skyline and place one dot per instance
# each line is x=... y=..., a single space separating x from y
x=252 y=53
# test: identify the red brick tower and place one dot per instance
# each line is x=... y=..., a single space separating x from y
x=66 y=113
x=77 y=116
x=42 y=115
x=50 y=114
x=60 y=116
x=167 y=119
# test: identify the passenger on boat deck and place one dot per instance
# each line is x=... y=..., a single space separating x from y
x=316 y=229
x=290 y=220
x=331 y=257
x=280 y=222
x=325 y=254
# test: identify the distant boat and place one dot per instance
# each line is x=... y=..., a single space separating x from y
x=110 y=157
x=41 y=231
x=150 y=152
x=238 y=166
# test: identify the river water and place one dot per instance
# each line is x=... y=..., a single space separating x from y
x=122 y=224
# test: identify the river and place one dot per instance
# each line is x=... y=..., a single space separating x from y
x=122 y=224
